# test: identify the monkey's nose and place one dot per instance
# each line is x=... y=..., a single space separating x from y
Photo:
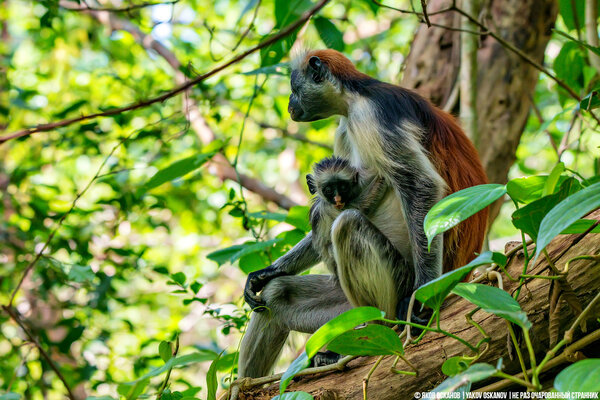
x=338 y=202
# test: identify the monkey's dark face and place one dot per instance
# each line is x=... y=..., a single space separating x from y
x=315 y=94
x=340 y=193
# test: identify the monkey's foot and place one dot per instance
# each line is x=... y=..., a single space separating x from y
x=418 y=317
x=323 y=358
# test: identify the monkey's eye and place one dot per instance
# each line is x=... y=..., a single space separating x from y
x=344 y=187
x=328 y=191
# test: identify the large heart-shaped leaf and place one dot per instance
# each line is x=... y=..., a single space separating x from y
x=434 y=292
x=370 y=340
x=475 y=373
x=327 y=333
x=583 y=376
x=529 y=218
x=453 y=209
x=495 y=301
x=566 y=213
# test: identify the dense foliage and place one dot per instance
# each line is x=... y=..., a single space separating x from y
x=131 y=247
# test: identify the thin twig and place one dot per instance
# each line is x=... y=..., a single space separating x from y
x=425 y=16
x=15 y=317
x=132 y=7
x=63 y=217
x=175 y=91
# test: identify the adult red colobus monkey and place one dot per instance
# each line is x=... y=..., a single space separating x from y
x=420 y=152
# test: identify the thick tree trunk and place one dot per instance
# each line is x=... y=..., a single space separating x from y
x=505 y=83
x=429 y=355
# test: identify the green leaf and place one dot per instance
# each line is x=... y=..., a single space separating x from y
x=593 y=49
x=457 y=207
x=526 y=190
x=279 y=217
x=529 y=218
x=568 y=65
x=327 y=333
x=196 y=286
x=475 y=373
x=132 y=390
x=179 y=278
x=298 y=217
x=434 y=292
x=180 y=361
x=329 y=33
x=583 y=376
x=294 y=396
x=566 y=12
x=591 y=101
x=212 y=383
x=369 y=340
x=164 y=350
x=275 y=69
x=81 y=273
x=495 y=301
x=253 y=262
x=580 y=226
x=553 y=179
x=175 y=170
x=70 y=108
x=455 y=365
x=566 y=213
x=233 y=253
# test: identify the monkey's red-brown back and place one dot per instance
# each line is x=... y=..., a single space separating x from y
x=458 y=164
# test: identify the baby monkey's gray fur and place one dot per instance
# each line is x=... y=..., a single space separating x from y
x=339 y=186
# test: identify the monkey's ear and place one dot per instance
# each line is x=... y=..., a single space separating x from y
x=310 y=181
x=317 y=69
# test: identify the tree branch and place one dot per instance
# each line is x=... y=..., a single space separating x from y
x=175 y=91
x=219 y=165
x=13 y=314
x=86 y=7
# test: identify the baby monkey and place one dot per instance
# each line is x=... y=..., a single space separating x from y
x=339 y=186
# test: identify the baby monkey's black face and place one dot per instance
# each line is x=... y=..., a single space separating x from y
x=339 y=192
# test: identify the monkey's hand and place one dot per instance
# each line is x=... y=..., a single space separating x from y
x=256 y=281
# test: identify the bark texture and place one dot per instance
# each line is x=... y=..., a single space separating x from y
x=505 y=82
x=429 y=355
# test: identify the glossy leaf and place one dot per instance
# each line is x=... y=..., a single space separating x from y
x=329 y=33
x=566 y=213
x=457 y=207
x=495 y=301
x=175 y=170
x=553 y=178
x=529 y=217
x=580 y=226
x=326 y=333
x=572 y=11
x=211 y=380
x=475 y=373
x=583 y=376
x=369 y=340
x=294 y=396
x=298 y=217
x=164 y=350
x=434 y=292
x=455 y=365
x=233 y=253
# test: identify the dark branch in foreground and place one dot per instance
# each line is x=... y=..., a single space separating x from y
x=125 y=9
x=13 y=314
x=179 y=89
